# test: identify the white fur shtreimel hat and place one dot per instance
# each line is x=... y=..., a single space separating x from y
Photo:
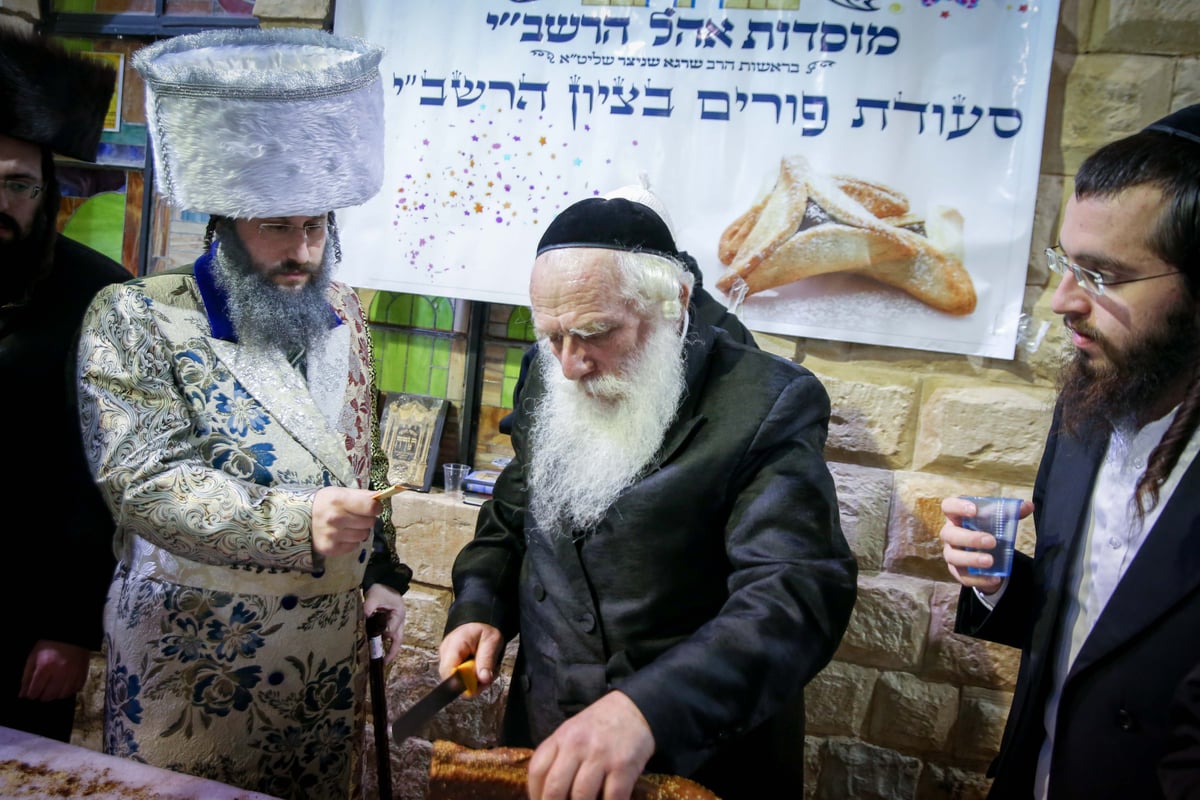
x=264 y=123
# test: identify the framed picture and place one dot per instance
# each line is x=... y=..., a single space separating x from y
x=409 y=431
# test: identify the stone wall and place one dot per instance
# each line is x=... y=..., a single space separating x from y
x=907 y=709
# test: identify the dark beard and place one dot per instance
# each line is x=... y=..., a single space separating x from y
x=25 y=258
x=1121 y=392
x=262 y=313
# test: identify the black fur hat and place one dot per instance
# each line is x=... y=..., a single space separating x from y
x=52 y=97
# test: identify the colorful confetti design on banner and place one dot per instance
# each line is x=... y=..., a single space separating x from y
x=498 y=170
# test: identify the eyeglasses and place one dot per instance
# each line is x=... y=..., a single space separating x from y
x=22 y=188
x=282 y=232
x=1092 y=282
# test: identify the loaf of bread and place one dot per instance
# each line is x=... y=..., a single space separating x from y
x=501 y=773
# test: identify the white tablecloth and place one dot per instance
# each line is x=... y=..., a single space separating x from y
x=36 y=767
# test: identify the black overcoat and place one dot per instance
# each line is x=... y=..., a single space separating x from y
x=1112 y=728
x=55 y=525
x=713 y=591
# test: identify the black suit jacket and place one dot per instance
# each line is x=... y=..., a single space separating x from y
x=1113 y=725
x=66 y=542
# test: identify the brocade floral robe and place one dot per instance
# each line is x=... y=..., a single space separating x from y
x=233 y=653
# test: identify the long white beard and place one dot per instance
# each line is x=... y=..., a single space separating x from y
x=586 y=450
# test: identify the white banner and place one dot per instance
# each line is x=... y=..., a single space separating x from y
x=863 y=170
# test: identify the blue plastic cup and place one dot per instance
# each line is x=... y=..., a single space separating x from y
x=997 y=516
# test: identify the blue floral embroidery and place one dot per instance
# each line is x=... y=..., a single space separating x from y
x=248 y=462
x=239 y=638
x=243 y=412
x=219 y=691
x=326 y=745
x=119 y=741
x=331 y=689
x=194 y=371
x=187 y=645
x=123 y=691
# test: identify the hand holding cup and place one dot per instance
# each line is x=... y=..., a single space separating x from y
x=979 y=538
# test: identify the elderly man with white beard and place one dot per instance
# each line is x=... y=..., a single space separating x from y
x=666 y=541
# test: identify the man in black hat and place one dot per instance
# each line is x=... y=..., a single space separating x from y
x=707 y=308
x=1107 y=612
x=50 y=102
x=666 y=539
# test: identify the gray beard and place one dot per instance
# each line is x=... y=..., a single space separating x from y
x=262 y=313
x=586 y=451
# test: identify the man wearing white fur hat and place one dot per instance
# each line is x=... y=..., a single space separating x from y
x=229 y=419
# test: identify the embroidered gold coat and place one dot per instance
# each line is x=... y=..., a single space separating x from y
x=232 y=652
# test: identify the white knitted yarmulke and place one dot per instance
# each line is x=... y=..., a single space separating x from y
x=640 y=193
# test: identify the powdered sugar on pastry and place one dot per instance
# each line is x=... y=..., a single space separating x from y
x=811 y=224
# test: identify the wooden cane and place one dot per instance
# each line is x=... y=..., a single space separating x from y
x=376 y=625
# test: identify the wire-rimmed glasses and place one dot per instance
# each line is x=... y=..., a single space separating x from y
x=283 y=232
x=1092 y=282
x=22 y=188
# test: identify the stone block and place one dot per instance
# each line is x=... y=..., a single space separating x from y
x=914 y=544
x=1045 y=359
x=851 y=769
x=912 y=715
x=987 y=431
x=1061 y=65
x=1036 y=323
x=1110 y=96
x=889 y=623
x=981 y=717
x=871 y=417
x=864 y=495
x=430 y=530
x=1187 y=83
x=965 y=660
x=425 y=609
x=939 y=782
x=837 y=699
x=812 y=765
x=1166 y=27
x=1074 y=25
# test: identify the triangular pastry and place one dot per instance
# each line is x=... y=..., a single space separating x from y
x=811 y=225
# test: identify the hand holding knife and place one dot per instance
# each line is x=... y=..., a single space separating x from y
x=461 y=682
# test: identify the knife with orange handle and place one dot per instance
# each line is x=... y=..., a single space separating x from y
x=461 y=682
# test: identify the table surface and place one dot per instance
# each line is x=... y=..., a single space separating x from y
x=33 y=766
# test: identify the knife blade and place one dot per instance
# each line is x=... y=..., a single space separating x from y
x=461 y=681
